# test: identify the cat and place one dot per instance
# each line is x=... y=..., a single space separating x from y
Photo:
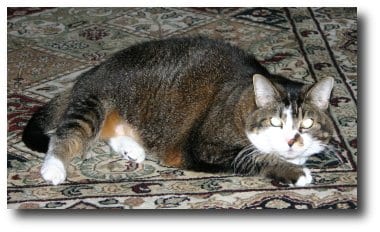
x=194 y=103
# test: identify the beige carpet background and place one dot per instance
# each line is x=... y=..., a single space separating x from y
x=49 y=48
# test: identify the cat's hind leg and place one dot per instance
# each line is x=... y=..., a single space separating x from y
x=122 y=138
x=128 y=148
x=78 y=128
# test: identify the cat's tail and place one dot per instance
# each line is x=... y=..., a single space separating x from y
x=35 y=135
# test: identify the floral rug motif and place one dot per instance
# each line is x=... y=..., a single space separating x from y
x=49 y=47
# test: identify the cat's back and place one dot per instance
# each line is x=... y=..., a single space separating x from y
x=184 y=57
x=180 y=65
x=179 y=49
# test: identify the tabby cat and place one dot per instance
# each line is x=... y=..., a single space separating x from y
x=194 y=103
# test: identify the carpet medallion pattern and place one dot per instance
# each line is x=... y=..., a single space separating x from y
x=49 y=47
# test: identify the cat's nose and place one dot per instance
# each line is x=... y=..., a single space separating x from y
x=291 y=142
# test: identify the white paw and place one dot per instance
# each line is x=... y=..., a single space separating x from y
x=305 y=179
x=53 y=170
x=128 y=148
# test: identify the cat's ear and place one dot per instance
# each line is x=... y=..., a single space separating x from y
x=319 y=94
x=265 y=92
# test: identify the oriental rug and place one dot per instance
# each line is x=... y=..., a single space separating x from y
x=48 y=48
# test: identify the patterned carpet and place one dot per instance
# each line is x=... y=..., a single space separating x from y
x=48 y=48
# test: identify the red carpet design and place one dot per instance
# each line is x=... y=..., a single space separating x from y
x=48 y=48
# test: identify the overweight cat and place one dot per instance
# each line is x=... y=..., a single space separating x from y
x=194 y=103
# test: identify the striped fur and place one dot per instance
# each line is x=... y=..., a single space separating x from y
x=194 y=103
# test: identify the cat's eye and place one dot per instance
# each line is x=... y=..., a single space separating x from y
x=307 y=123
x=276 y=122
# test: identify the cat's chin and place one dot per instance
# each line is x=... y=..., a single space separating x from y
x=292 y=156
x=298 y=160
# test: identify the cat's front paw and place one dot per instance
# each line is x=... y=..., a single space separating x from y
x=305 y=179
x=53 y=170
x=128 y=148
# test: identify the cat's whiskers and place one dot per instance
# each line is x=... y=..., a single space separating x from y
x=245 y=159
x=242 y=140
x=329 y=148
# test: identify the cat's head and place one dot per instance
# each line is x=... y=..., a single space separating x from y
x=290 y=120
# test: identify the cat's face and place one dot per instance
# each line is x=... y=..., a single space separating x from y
x=293 y=126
